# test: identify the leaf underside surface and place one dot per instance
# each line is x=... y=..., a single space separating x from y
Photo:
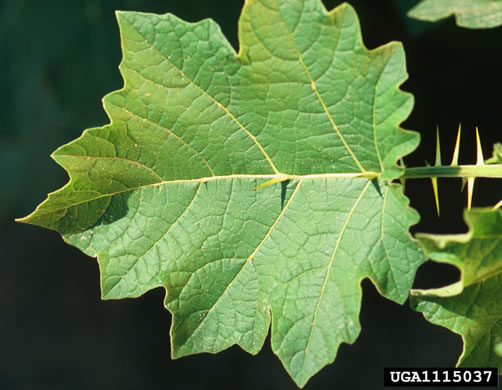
x=468 y=13
x=166 y=195
x=471 y=307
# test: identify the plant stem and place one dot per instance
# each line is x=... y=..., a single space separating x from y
x=491 y=171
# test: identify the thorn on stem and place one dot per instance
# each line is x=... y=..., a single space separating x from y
x=454 y=160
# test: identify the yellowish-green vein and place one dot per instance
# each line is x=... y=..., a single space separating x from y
x=382 y=233
x=218 y=104
x=367 y=175
x=330 y=264
x=174 y=135
x=325 y=108
x=139 y=257
x=122 y=159
x=373 y=109
x=250 y=258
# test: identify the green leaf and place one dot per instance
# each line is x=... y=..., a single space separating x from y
x=471 y=307
x=497 y=154
x=255 y=188
x=468 y=13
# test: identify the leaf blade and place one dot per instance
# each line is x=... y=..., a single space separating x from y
x=468 y=13
x=470 y=307
x=206 y=131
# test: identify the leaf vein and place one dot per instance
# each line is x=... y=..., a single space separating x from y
x=250 y=258
x=169 y=131
x=154 y=245
x=218 y=104
x=321 y=100
x=330 y=264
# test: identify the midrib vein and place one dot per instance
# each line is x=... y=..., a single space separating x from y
x=324 y=176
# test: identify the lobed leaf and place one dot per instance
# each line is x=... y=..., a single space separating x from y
x=468 y=13
x=254 y=187
x=471 y=307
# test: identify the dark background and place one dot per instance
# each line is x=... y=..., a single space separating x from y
x=58 y=58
